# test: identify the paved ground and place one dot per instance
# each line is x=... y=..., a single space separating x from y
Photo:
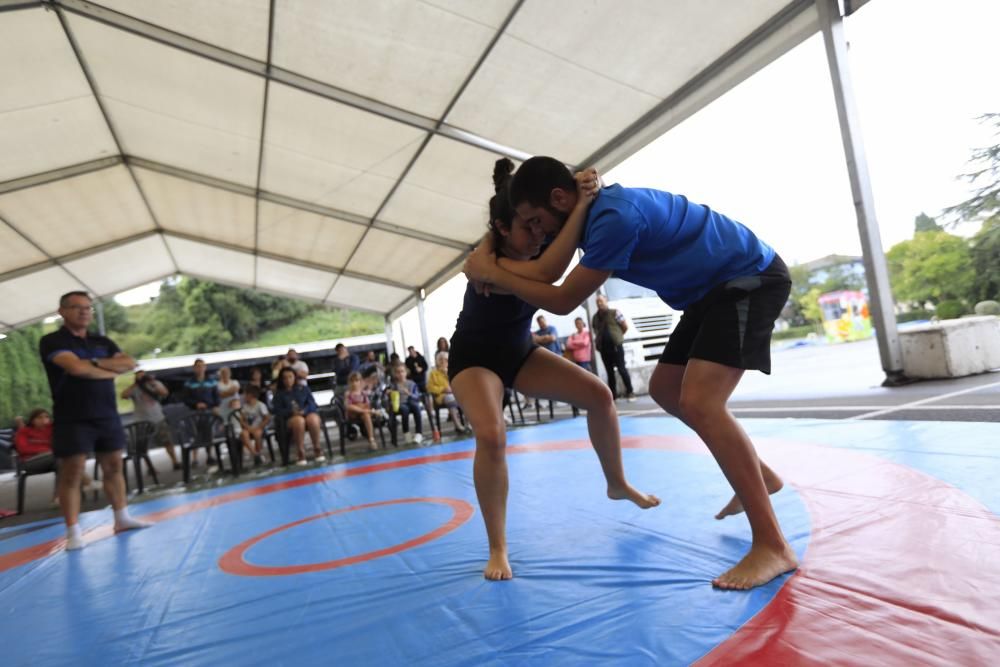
x=814 y=381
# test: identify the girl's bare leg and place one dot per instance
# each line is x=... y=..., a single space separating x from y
x=480 y=393
x=548 y=376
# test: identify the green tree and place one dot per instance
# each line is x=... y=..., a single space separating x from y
x=984 y=206
x=842 y=277
x=985 y=251
x=23 y=384
x=115 y=317
x=933 y=266
x=809 y=305
x=925 y=223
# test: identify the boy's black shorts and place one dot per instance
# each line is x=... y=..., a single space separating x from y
x=732 y=324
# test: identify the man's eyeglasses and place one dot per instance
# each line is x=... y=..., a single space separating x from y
x=80 y=308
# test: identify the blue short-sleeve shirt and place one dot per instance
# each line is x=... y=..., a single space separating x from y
x=667 y=243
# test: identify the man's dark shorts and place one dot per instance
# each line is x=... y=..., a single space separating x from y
x=732 y=324
x=87 y=437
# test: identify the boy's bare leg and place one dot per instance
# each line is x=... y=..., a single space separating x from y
x=665 y=388
x=705 y=388
x=480 y=393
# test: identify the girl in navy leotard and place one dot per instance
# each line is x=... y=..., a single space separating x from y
x=492 y=349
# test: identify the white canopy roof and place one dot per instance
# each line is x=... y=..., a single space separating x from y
x=331 y=150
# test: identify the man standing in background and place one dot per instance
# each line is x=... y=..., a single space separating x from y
x=609 y=327
x=81 y=369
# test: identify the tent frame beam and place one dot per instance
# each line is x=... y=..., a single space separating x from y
x=876 y=268
x=223 y=56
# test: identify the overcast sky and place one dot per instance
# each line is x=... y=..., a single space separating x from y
x=769 y=152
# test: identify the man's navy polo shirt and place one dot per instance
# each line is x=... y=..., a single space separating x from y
x=74 y=398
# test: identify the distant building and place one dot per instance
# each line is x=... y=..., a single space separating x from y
x=819 y=269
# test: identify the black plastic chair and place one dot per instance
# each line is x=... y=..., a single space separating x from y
x=201 y=429
x=335 y=412
x=138 y=436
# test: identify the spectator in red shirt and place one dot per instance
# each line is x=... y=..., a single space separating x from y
x=35 y=437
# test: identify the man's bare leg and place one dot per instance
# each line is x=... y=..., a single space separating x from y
x=114 y=489
x=68 y=489
x=704 y=392
x=480 y=393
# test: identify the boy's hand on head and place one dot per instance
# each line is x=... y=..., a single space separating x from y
x=588 y=184
x=480 y=263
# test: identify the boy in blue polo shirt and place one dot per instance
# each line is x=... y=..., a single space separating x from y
x=731 y=287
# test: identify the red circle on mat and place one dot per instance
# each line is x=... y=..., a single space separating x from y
x=234 y=561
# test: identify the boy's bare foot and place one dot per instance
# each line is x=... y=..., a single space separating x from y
x=734 y=506
x=498 y=569
x=627 y=492
x=759 y=566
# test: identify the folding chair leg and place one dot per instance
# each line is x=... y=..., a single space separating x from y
x=186 y=460
x=342 y=428
x=152 y=470
x=137 y=465
x=21 y=479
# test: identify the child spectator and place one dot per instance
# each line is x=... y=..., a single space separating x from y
x=359 y=407
x=253 y=419
x=408 y=402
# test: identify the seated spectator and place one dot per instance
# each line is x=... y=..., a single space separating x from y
x=201 y=393
x=440 y=389
x=371 y=362
x=300 y=367
x=253 y=419
x=147 y=393
x=406 y=402
x=229 y=392
x=35 y=436
x=344 y=364
x=359 y=407
x=278 y=364
x=296 y=406
x=579 y=345
x=33 y=443
x=263 y=388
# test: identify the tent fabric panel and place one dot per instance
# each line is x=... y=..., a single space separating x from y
x=212 y=262
x=400 y=258
x=306 y=236
x=17 y=252
x=123 y=267
x=48 y=116
x=78 y=213
x=558 y=92
x=526 y=97
x=199 y=210
x=446 y=192
x=293 y=279
x=173 y=107
x=234 y=25
x=34 y=295
x=415 y=54
x=355 y=293
x=327 y=153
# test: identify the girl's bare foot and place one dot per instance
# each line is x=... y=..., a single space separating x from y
x=498 y=569
x=773 y=484
x=759 y=566
x=627 y=492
